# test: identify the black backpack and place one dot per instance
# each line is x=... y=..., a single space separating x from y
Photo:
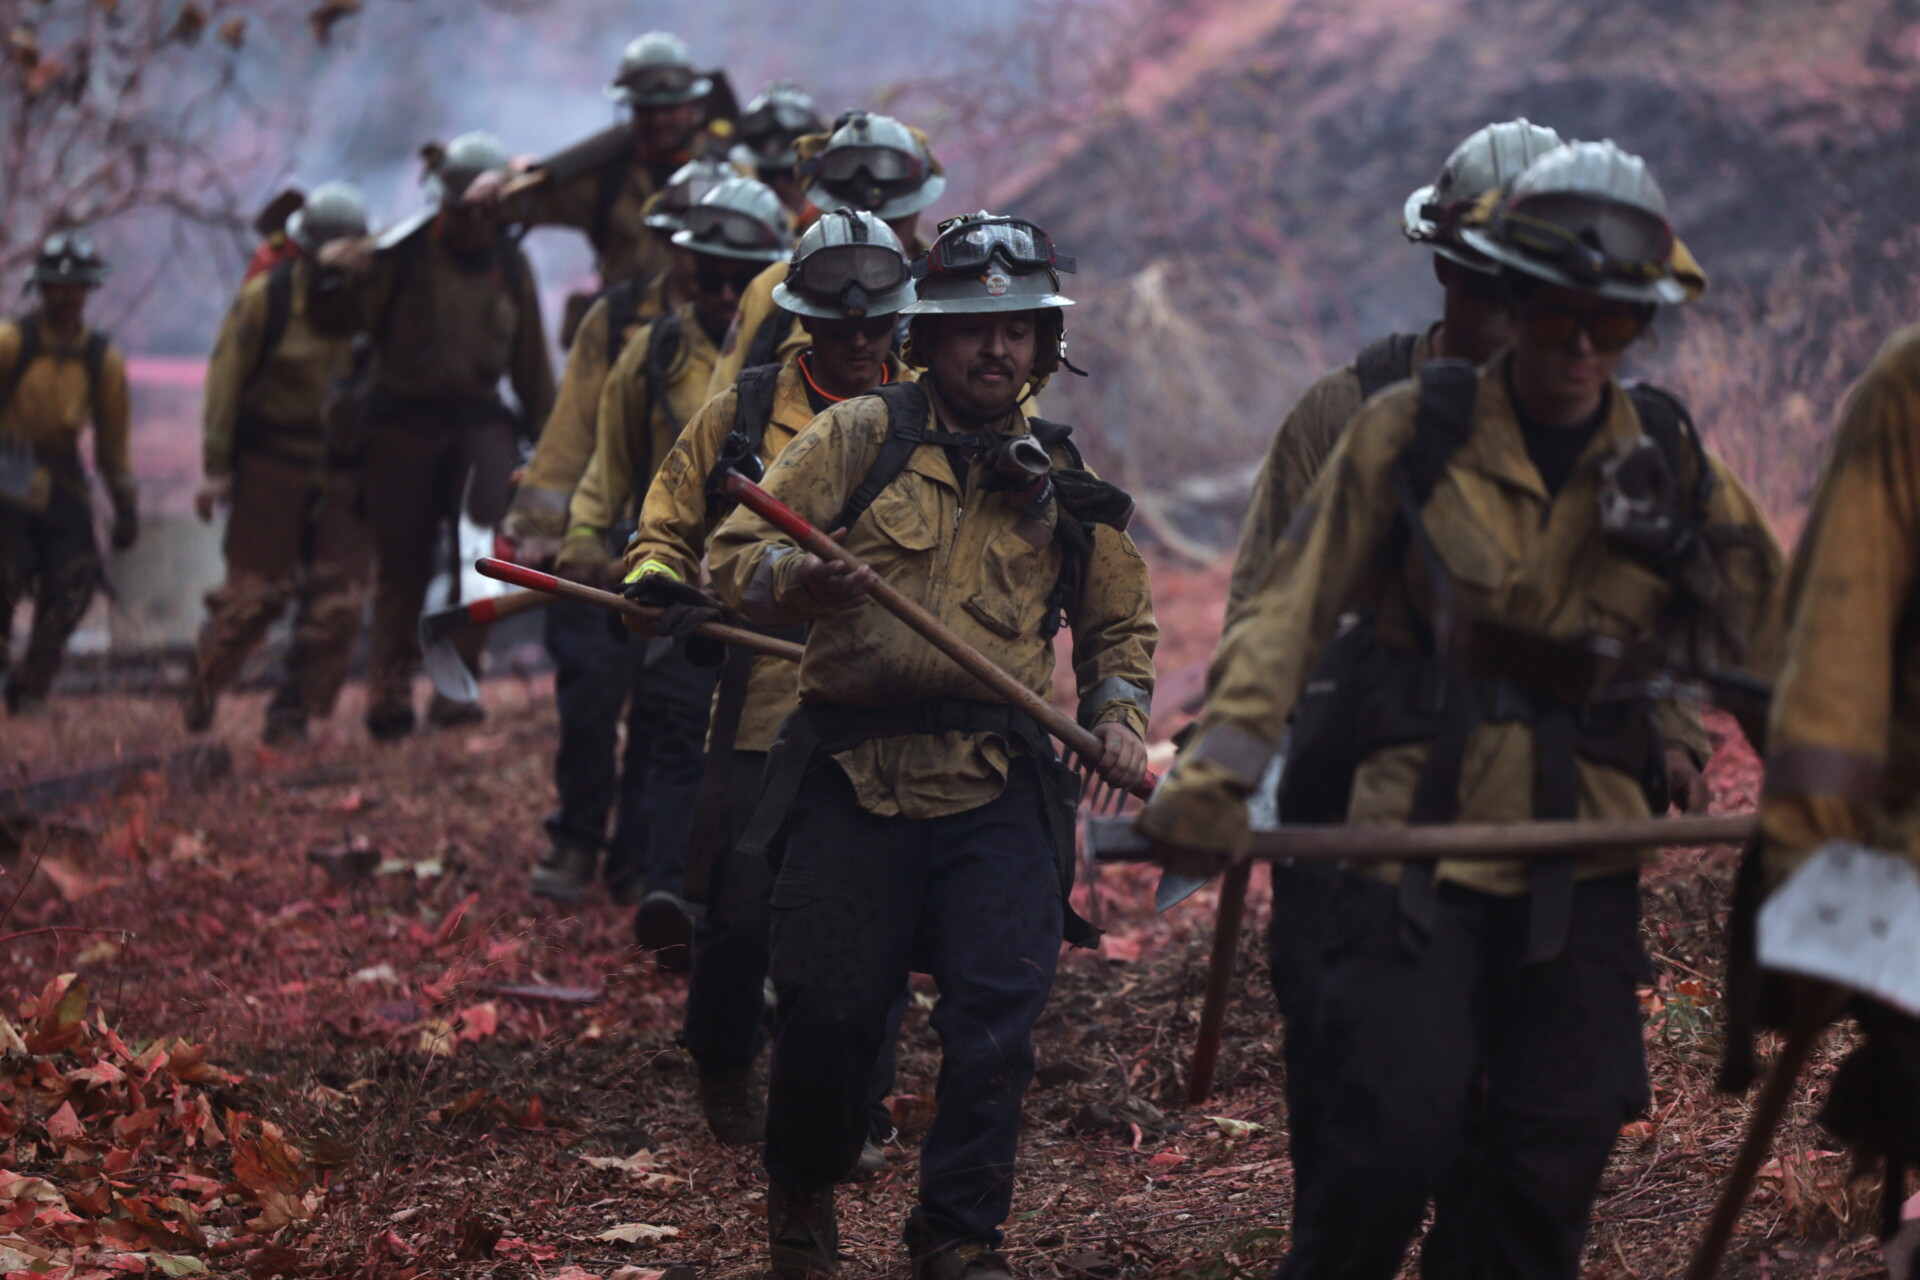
x=740 y=451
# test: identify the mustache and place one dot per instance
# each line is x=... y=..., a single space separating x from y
x=990 y=366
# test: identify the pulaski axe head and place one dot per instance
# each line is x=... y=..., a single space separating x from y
x=445 y=667
x=1850 y=916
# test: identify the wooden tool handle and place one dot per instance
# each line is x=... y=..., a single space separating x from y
x=534 y=580
x=976 y=664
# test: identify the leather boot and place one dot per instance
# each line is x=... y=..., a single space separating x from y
x=970 y=1260
x=566 y=873
x=735 y=1106
x=802 y=1236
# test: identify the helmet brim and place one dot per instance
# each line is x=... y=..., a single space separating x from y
x=1666 y=291
x=684 y=239
x=694 y=92
x=985 y=306
x=893 y=302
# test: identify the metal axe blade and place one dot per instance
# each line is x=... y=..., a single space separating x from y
x=1850 y=916
x=446 y=668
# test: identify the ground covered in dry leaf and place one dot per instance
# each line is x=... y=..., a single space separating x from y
x=318 y=1028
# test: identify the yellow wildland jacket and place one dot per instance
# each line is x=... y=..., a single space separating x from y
x=1514 y=555
x=565 y=446
x=276 y=404
x=1843 y=744
x=676 y=522
x=641 y=414
x=52 y=404
x=959 y=550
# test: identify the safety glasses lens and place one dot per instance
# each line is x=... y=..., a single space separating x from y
x=873 y=267
x=651 y=82
x=873 y=327
x=710 y=225
x=1613 y=330
x=711 y=275
x=880 y=164
x=1609 y=331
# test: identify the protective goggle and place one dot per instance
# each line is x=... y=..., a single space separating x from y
x=965 y=248
x=665 y=80
x=829 y=272
x=885 y=166
x=715 y=224
x=1579 y=259
x=777 y=117
x=1610 y=329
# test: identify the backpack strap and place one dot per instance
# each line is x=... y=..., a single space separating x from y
x=623 y=308
x=666 y=350
x=1382 y=363
x=907 y=414
x=1666 y=419
x=279 y=315
x=752 y=410
x=31 y=343
x=769 y=338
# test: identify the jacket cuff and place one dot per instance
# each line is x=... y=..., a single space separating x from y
x=1117 y=700
x=582 y=547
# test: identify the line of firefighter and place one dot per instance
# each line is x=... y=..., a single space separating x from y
x=1447 y=490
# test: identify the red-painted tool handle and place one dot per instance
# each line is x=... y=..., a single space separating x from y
x=517 y=574
x=800 y=529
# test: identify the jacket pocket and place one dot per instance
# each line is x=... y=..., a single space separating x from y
x=1015 y=581
x=901 y=520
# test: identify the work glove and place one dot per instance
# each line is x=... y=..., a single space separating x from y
x=215 y=492
x=1200 y=809
x=583 y=558
x=126 y=517
x=683 y=609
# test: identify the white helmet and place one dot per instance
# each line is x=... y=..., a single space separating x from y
x=689 y=185
x=334 y=211
x=849 y=264
x=657 y=71
x=1490 y=158
x=874 y=162
x=740 y=218
x=464 y=159
x=1586 y=216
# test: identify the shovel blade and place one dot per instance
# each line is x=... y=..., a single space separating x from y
x=1850 y=915
x=441 y=623
x=448 y=671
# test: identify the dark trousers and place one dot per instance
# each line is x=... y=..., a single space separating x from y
x=420 y=466
x=49 y=556
x=597 y=677
x=973 y=899
x=1403 y=1042
x=1296 y=939
x=726 y=1004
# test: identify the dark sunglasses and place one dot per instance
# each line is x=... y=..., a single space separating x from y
x=1610 y=329
x=843 y=330
x=711 y=275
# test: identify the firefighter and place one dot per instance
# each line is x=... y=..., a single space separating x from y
x=601 y=186
x=848 y=280
x=768 y=129
x=57 y=374
x=451 y=308
x=658 y=384
x=298 y=530
x=1474 y=323
x=866 y=161
x=1533 y=501
x=928 y=827
x=591 y=665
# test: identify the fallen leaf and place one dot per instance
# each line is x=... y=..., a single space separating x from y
x=64 y=1126
x=1232 y=1129
x=637 y=1233
x=178 y=1264
x=1167 y=1160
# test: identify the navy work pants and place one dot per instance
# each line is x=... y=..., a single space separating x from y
x=1414 y=1046
x=726 y=1004
x=597 y=676
x=973 y=899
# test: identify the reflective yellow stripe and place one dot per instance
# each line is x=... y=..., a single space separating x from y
x=584 y=531
x=646 y=567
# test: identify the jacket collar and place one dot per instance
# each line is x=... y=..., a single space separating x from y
x=1495 y=447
